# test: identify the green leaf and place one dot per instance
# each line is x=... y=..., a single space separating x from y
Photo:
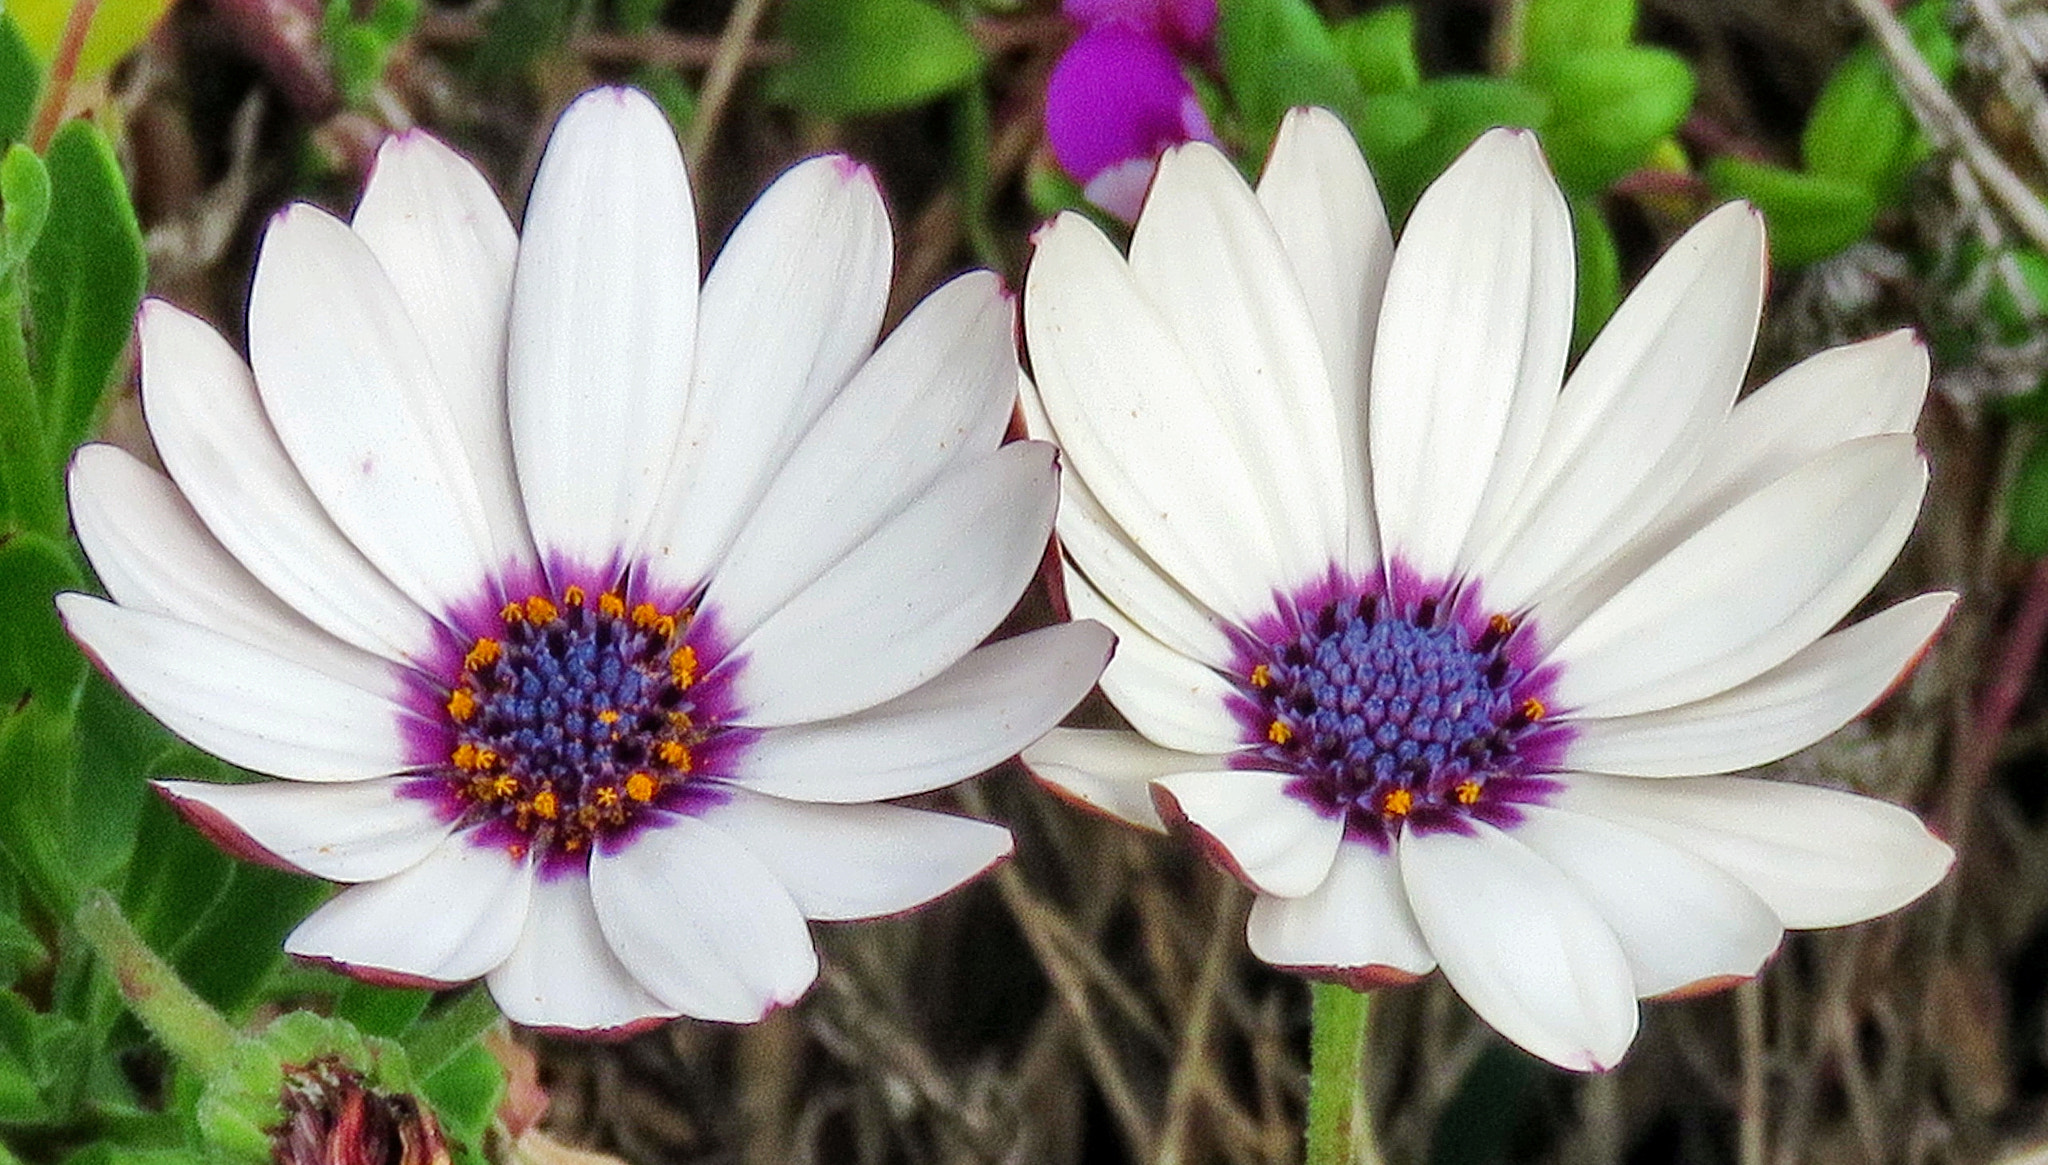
x=465 y=1093
x=359 y=48
x=118 y=26
x=36 y=759
x=518 y=32
x=1457 y=110
x=1554 y=30
x=1599 y=271
x=1277 y=54
x=118 y=743
x=175 y=879
x=25 y=194
x=228 y=959
x=671 y=93
x=870 y=56
x=21 y=1101
x=1808 y=216
x=36 y=657
x=21 y=80
x=85 y=280
x=1609 y=108
x=2026 y=504
x=1380 y=48
x=1859 y=129
x=380 y=1011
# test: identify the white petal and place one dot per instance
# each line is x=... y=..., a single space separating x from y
x=978 y=712
x=450 y=917
x=564 y=974
x=604 y=313
x=245 y=705
x=1470 y=349
x=441 y=235
x=843 y=862
x=214 y=438
x=937 y=392
x=1133 y=419
x=1522 y=945
x=1634 y=418
x=1774 y=715
x=1173 y=700
x=703 y=923
x=1111 y=771
x=357 y=831
x=1681 y=921
x=153 y=554
x=346 y=380
x=1324 y=207
x=1757 y=584
x=791 y=307
x=907 y=603
x=1277 y=842
x=1355 y=926
x=1818 y=857
x=1209 y=261
x=1121 y=572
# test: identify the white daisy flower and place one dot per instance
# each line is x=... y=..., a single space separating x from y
x=586 y=611
x=1441 y=659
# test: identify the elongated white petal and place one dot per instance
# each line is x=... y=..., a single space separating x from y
x=1522 y=945
x=937 y=392
x=1756 y=585
x=1681 y=921
x=1277 y=842
x=978 y=712
x=1470 y=349
x=1132 y=418
x=563 y=974
x=155 y=555
x=604 y=316
x=791 y=307
x=1327 y=213
x=438 y=230
x=1776 y=714
x=356 y=831
x=345 y=378
x=245 y=705
x=210 y=429
x=450 y=917
x=1818 y=857
x=1356 y=926
x=702 y=922
x=1111 y=771
x=898 y=610
x=1635 y=416
x=1206 y=257
x=1118 y=570
x=1174 y=701
x=842 y=862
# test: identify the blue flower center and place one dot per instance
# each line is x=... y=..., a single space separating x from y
x=1397 y=719
x=573 y=721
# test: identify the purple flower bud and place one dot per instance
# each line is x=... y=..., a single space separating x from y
x=1114 y=102
x=1187 y=25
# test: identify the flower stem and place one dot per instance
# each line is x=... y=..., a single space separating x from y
x=1339 y=1124
x=63 y=70
x=192 y=1030
x=440 y=1037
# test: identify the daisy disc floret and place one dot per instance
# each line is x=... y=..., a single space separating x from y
x=590 y=616
x=1446 y=652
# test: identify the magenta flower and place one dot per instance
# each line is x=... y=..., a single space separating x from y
x=1118 y=97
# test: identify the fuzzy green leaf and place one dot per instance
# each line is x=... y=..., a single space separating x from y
x=1609 y=108
x=1380 y=47
x=1555 y=30
x=1277 y=54
x=1808 y=216
x=871 y=56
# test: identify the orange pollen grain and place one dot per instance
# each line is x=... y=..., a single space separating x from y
x=682 y=665
x=1533 y=710
x=464 y=756
x=1500 y=624
x=1279 y=733
x=606 y=796
x=640 y=787
x=573 y=596
x=1467 y=792
x=512 y=613
x=541 y=612
x=1262 y=676
x=1398 y=803
x=611 y=604
x=461 y=704
x=505 y=786
x=674 y=755
x=608 y=716
x=544 y=803
x=644 y=615
x=665 y=626
x=484 y=654
x=517 y=849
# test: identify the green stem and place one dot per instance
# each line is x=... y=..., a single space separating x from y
x=192 y=1030
x=439 y=1038
x=27 y=477
x=1339 y=1125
